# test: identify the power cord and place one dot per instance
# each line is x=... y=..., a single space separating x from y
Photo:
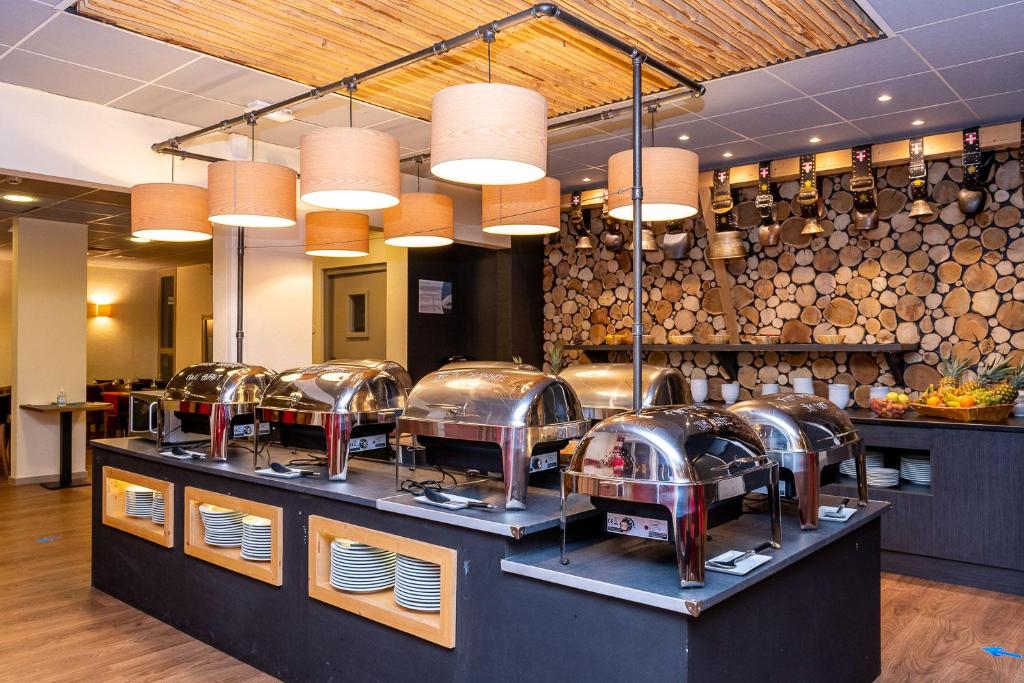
x=416 y=487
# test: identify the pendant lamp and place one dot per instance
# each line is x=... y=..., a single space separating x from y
x=349 y=168
x=337 y=233
x=488 y=134
x=669 y=177
x=251 y=194
x=170 y=212
x=525 y=209
x=421 y=219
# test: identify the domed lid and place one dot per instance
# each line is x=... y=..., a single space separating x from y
x=607 y=388
x=394 y=369
x=679 y=445
x=335 y=388
x=797 y=423
x=219 y=383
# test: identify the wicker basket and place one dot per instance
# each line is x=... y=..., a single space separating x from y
x=997 y=413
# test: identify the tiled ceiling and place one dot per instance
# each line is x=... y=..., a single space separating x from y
x=947 y=63
x=108 y=217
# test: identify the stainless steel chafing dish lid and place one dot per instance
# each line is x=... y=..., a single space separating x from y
x=606 y=389
x=334 y=388
x=797 y=423
x=394 y=369
x=219 y=383
x=677 y=445
x=487 y=365
x=503 y=398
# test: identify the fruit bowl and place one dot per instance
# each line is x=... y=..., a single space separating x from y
x=886 y=408
x=996 y=413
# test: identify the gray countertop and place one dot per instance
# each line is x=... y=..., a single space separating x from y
x=644 y=571
x=372 y=484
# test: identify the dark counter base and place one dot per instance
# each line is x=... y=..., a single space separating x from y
x=950 y=571
x=509 y=628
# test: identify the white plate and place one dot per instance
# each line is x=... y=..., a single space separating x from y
x=223 y=545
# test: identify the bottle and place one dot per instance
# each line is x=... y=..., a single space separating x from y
x=62 y=398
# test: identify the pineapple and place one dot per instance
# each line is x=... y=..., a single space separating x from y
x=1006 y=390
x=951 y=368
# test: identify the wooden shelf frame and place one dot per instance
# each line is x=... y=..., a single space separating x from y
x=727 y=353
x=438 y=628
x=114 y=483
x=231 y=558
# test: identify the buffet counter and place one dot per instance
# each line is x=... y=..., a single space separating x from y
x=509 y=609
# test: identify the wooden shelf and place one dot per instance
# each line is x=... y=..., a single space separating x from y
x=727 y=353
x=115 y=481
x=231 y=558
x=380 y=606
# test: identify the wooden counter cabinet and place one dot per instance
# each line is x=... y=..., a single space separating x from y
x=231 y=558
x=380 y=606
x=115 y=483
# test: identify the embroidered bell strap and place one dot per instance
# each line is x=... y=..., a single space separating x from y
x=862 y=182
x=972 y=158
x=721 y=194
x=807 y=197
x=918 y=170
x=764 y=201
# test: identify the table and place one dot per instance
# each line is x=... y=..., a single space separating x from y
x=65 y=412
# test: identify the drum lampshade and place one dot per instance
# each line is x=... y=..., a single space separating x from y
x=669 y=180
x=421 y=219
x=337 y=233
x=170 y=212
x=488 y=134
x=349 y=168
x=251 y=194
x=526 y=209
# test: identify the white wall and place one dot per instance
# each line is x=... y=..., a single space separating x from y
x=5 y=323
x=193 y=299
x=48 y=324
x=123 y=346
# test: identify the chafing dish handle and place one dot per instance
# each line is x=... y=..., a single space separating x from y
x=753 y=459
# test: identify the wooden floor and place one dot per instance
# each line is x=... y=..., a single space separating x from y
x=54 y=627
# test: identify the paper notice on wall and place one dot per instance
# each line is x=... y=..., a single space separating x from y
x=435 y=297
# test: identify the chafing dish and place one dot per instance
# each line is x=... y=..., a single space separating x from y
x=214 y=399
x=804 y=433
x=339 y=409
x=487 y=365
x=669 y=466
x=512 y=421
x=394 y=369
x=606 y=389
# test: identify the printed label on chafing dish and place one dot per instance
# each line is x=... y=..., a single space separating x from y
x=539 y=463
x=245 y=431
x=643 y=527
x=367 y=443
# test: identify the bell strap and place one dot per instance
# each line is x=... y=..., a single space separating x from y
x=807 y=197
x=972 y=158
x=764 y=201
x=862 y=182
x=918 y=170
x=721 y=194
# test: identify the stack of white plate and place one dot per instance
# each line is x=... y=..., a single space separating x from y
x=361 y=568
x=916 y=470
x=138 y=501
x=884 y=477
x=158 y=508
x=256 y=538
x=418 y=584
x=871 y=460
x=222 y=527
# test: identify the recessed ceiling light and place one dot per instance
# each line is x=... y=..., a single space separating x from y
x=814 y=140
x=917 y=122
x=586 y=180
x=140 y=240
x=684 y=137
x=727 y=155
x=20 y=198
x=281 y=115
x=884 y=98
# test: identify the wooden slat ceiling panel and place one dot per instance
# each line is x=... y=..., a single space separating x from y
x=320 y=41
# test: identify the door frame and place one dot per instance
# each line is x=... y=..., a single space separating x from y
x=328 y=297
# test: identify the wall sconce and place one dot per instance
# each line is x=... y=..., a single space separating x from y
x=100 y=310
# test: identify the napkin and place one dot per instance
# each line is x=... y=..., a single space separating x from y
x=828 y=513
x=290 y=474
x=742 y=567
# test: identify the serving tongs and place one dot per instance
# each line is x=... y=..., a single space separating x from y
x=838 y=512
x=731 y=564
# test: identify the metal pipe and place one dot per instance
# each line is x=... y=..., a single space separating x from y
x=240 y=295
x=351 y=82
x=637 y=193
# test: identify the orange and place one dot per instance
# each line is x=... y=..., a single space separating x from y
x=933 y=400
x=967 y=402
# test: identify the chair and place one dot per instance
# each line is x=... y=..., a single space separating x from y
x=5 y=437
x=116 y=416
x=94 y=420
